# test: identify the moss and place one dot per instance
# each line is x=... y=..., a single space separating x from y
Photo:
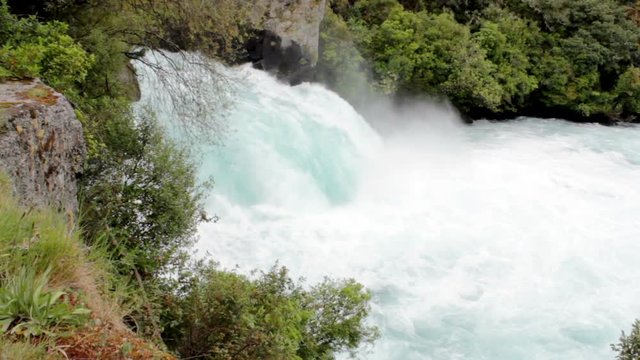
x=4 y=120
x=5 y=116
x=40 y=93
x=7 y=104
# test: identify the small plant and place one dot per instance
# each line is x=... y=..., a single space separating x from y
x=28 y=309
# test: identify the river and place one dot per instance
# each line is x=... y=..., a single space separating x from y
x=497 y=240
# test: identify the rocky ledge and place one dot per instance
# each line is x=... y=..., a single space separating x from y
x=285 y=42
x=42 y=147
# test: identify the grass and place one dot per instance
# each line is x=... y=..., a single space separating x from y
x=10 y=350
x=38 y=238
x=42 y=260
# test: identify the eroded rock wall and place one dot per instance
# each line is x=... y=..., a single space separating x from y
x=286 y=42
x=42 y=147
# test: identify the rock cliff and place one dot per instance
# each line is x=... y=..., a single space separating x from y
x=42 y=147
x=287 y=36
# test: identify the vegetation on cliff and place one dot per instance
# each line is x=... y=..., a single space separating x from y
x=123 y=284
x=574 y=59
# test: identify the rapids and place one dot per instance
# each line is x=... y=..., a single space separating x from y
x=511 y=240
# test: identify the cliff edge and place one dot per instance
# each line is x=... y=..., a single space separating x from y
x=42 y=147
x=286 y=38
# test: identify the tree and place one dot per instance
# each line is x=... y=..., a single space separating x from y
x=423 y=52
x=223 y=315
x=629 y=346
x=142 y=193
x=627 y=92
x=31 y=49
x=512 y=45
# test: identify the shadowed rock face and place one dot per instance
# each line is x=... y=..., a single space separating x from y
x=289 y=62
x=42 y=147
x=286 y=42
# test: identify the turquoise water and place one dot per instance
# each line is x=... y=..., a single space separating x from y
x=514 y=240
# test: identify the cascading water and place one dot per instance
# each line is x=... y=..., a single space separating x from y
x=514 y=240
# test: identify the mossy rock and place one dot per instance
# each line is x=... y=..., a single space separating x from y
x=5 y=115
x=4 y=121
x=6 y=104
x=40 y=93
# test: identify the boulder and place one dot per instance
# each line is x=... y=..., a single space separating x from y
x=286 y=39
x=42 y=147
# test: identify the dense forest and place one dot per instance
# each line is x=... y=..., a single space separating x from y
x=491 y=58
x=141 y=203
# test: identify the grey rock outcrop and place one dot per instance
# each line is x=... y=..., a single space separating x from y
x=129 y=79
x=42 y=147
x=287 y=41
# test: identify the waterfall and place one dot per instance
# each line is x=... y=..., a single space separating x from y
x=512 y=240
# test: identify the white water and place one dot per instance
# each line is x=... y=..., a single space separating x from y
x=517 y=240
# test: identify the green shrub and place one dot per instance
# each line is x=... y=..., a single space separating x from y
x=428 y=53
x=512 y=44
x=33 y=49
x=223 y=315
x=141 y=193
x=28 y=309
x=140 y=206
x=628 y=93
x=629 y=346
x=339 y=311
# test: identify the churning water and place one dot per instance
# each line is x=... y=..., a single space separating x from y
x=515 y=240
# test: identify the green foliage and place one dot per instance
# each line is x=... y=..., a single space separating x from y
x=340 y=309
x=223 y=315
x=215 y=28
x=141 y=193
x=20 y=350
x=464 y=10
x=628 y=93
x=629 y=346
x=139 y=200
x=423 y=52
x=40 y=238
x=28 y=309
x=138 y=192
x=139 y=208
x=33 y=49
x=340 y=64
x=492 y=57
x=374 y=12
x=511 y=44
x=36 y=249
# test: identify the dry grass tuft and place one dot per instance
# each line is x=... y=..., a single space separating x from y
x=104 y=342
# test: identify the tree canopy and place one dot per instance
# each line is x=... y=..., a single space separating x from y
x=498 y=58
